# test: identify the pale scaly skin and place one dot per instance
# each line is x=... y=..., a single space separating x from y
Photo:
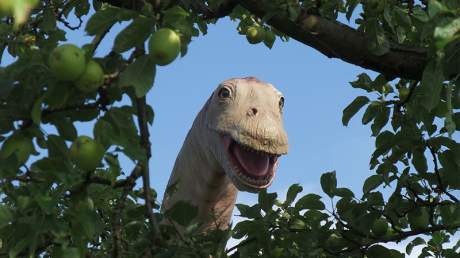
x=251 y=116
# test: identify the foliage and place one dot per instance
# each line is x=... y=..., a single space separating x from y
x=47 y=210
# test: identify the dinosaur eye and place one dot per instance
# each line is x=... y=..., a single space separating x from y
x=224 y=93
x=281 y=104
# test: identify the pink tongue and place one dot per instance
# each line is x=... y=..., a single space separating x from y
x=254 y=164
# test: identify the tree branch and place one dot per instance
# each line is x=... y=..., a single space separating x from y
x=223 y=10
x=337 y=40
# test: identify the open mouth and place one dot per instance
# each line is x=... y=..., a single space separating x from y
x=253 y=167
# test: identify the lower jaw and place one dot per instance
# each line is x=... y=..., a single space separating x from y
x=264 y=182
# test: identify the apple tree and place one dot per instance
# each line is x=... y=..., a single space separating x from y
x=67 y=204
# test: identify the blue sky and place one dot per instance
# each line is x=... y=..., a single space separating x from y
x=316 y=90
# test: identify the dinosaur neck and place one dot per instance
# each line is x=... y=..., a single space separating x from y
x=204 y=181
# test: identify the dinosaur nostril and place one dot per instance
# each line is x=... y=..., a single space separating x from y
x=252 y=111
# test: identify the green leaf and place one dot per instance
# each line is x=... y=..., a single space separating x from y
x=182 y=212
x=57 y=147
x=379 y=83
x=343 y=192
x=402 y=19
x=378 y=251
x=192 y=229
x=172 y=188
x=124 y=129
x=65 y=128
x=329 y=183
x=126 y=15
x=136 y=33
x=353 y=108
x=434 y=7
x=292 y=194
x=417 y=241
x=419 y=14
x=132 y=229
x=20 y=245
x=446 y=31
x=381 y=119
x=264 y=240
x=267 y=200
x=292 y=14
x=351 y=7
x=431 y=86
x=49 y=21
x=44 y=202
x=140 y=74
x=372 y=182
x=37 y=110
x=375 y=38
x=267 y=17
x=177 y=10
x=6 y=215
x=150 y=114
x=249 y=212
x=371 y=112
x=451 y=168
x=419 y=160
x=374 y=199
x=310 y=201
x=135 y=153
x=102 y=19
x=245 y=227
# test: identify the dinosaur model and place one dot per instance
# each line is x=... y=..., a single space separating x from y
x=234 y=144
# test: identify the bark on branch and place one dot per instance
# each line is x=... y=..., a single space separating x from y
x=337 y=40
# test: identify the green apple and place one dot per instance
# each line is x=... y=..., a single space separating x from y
x=377 y=6
x=67 y=62
x=380 y=227
x=19 y=145
x=255 y=34
x=6 y=8
x=269 y=37
x=164 y=46
x=418 y=219
x=92 y=77
x=86 y=204
x=86 y=153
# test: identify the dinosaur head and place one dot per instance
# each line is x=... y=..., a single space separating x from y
x=245 y=118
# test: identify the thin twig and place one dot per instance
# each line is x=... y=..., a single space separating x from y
x=131 y=182
x=438 y=175
x=246 y=241
x=145 y=144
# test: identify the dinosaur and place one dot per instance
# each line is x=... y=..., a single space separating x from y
x=234 y=144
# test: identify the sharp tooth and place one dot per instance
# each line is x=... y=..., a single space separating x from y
x=257 y=152
x=252 y=150
x=239 y=173
x=271 y=155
